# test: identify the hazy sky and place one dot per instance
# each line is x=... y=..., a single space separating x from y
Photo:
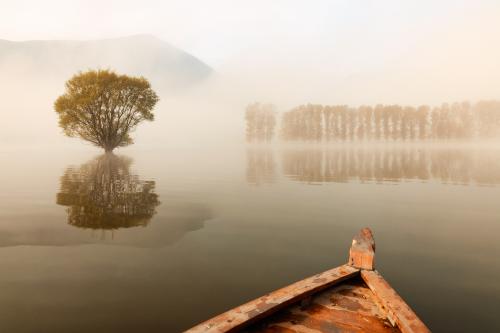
x=290 y=52
x=282 y=51
x=220 y=31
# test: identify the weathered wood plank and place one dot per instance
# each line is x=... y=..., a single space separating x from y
x=246 y=314
x=362 y=252
x=347 y=307
x=278 y=329
x=317 y=318
x=351 y=297
x=322 y=304
x=398 y=311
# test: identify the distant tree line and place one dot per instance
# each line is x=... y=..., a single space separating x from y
x=314 y=122
x=261 y=122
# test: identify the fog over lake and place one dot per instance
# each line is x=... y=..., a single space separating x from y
x=235 y=222
x=281 y=130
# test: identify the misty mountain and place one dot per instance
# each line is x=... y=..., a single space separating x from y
x=57 y=60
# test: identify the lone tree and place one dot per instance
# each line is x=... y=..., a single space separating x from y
x=103 y=107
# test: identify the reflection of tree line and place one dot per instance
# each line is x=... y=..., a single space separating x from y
x=103 y=194
x=375 y=123
x=343 y=165
x=260 y=166
x=461 y=166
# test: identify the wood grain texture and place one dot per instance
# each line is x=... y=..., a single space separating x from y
x=348 y=307
x=246 y=314
x=362 y=251
x=350 y=298
x=397 y=310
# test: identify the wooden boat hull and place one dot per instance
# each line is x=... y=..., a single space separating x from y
x=348 y=298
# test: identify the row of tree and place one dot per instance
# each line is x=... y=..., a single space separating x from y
x=261 y=122
x=315 y=122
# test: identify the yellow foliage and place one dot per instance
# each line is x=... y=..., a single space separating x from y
x=103 y=107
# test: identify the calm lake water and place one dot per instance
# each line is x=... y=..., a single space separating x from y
x=159 y=240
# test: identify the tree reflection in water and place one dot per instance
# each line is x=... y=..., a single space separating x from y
x=103 y=194
x=261 y=167
x=372 y=164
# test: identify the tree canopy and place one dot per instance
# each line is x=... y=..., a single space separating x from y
x=261 y=121
x=103 y=107
x=341 y=123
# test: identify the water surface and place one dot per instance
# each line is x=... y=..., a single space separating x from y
x=159 y=240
